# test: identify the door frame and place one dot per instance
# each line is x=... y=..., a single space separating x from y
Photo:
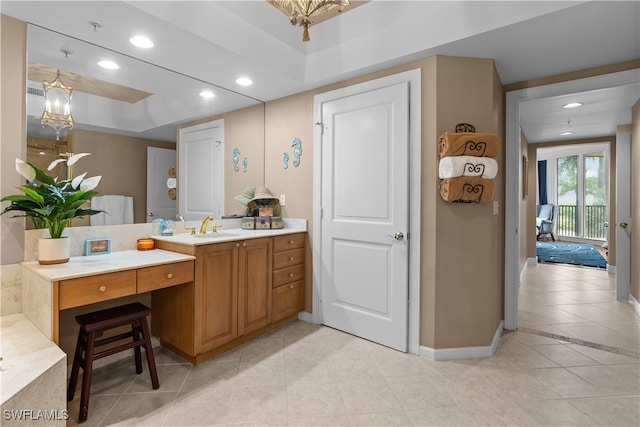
x=624 y=149
x=513 y=172
x=413 y=77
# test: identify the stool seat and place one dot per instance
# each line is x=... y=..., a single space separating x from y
x=92 y=326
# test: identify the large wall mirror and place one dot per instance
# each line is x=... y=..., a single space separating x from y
x=119 y=113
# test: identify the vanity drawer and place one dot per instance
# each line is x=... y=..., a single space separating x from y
x=289 y=274
x=288 y=258
x=287 y=300
x=288 y=241
x=101 y=287
x=162 y=276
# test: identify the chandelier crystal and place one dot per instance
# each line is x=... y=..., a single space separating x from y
x=57 y=105
x=302 y=12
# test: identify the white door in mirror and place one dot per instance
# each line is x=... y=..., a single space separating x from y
x=201 y=170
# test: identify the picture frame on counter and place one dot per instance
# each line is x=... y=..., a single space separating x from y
x=97 y=246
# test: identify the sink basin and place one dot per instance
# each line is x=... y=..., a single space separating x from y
x=219 y=234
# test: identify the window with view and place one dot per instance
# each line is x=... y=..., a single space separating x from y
x=582 y=195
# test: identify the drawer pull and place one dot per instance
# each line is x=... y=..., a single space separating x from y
x=291 y=242
x=169 y=275
x=237 y=245
x=244 y=244
x=290 y=274
x=102 y=288
x=290 y=286
x=290 y=258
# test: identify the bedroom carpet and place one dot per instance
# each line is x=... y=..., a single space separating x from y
x=570 y=253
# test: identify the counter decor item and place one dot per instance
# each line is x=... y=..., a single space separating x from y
x=261 y=207
x=467 y=167
x=145 y=244
x=166 y=227
x=97 y=246
x=52 y=204
x=262 y=222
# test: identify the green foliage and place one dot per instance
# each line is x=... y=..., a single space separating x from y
x=50 y=203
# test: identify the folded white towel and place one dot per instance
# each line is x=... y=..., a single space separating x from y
x=117 y=210
x=456 y=166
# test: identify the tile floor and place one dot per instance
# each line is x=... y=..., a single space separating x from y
x=310 y=375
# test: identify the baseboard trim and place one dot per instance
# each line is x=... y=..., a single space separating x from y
x=464 y=352
x=611 y=269
x=635 y=304
x=306 y=317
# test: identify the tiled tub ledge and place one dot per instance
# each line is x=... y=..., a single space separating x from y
x=33 y=375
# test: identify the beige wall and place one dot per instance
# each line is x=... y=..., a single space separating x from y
x=469 y=250
x=635 y=201
x=13 y=39
x=122 y=163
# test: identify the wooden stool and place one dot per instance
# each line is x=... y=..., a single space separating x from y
x=92 y=326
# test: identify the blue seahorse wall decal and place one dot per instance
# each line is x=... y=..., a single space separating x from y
x=245 y=162
x=285 y=160
x=236 y=155
x=297 y=151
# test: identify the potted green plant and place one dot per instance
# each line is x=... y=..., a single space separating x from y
x=52 y=204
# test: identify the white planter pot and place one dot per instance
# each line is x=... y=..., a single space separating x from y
x=54 y=251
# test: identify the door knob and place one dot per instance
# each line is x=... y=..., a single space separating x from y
x=624 y=225
x=397 y=236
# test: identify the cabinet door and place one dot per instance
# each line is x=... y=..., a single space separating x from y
x=217 y=295
x=254 y=285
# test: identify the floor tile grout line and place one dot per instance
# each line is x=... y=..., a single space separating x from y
x=581 y=342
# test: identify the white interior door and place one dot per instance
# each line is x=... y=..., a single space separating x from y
x=201 y=170
x=623 y=215
x=365 y=214
x=159 y=203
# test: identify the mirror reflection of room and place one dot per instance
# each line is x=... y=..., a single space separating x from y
x=124 y=117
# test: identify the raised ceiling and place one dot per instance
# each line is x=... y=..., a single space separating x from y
x=216 y=41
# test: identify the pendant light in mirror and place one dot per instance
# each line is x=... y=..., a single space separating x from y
x=57 y=105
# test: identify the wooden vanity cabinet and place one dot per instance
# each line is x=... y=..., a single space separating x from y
x=288 y=275
x=234 y=297
x=216 y=296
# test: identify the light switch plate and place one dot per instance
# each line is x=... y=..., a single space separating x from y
x=283 y=200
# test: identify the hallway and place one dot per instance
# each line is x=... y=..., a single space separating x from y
x=577 y=303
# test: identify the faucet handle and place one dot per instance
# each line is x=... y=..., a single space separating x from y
x=214 y=228
x=193 y=230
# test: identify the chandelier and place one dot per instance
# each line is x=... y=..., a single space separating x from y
x=57 y=105
x=301 y=12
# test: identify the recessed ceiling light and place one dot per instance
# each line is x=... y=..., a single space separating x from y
x=109 y=65
x=572 y=105
x=207 y=94
x=141 y=41
x=244 y=81
x=567 y=133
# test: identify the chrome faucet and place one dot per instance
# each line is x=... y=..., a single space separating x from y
x=203 y=227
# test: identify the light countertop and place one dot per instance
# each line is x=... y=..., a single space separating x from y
x=225 y=235
x=80 y=266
